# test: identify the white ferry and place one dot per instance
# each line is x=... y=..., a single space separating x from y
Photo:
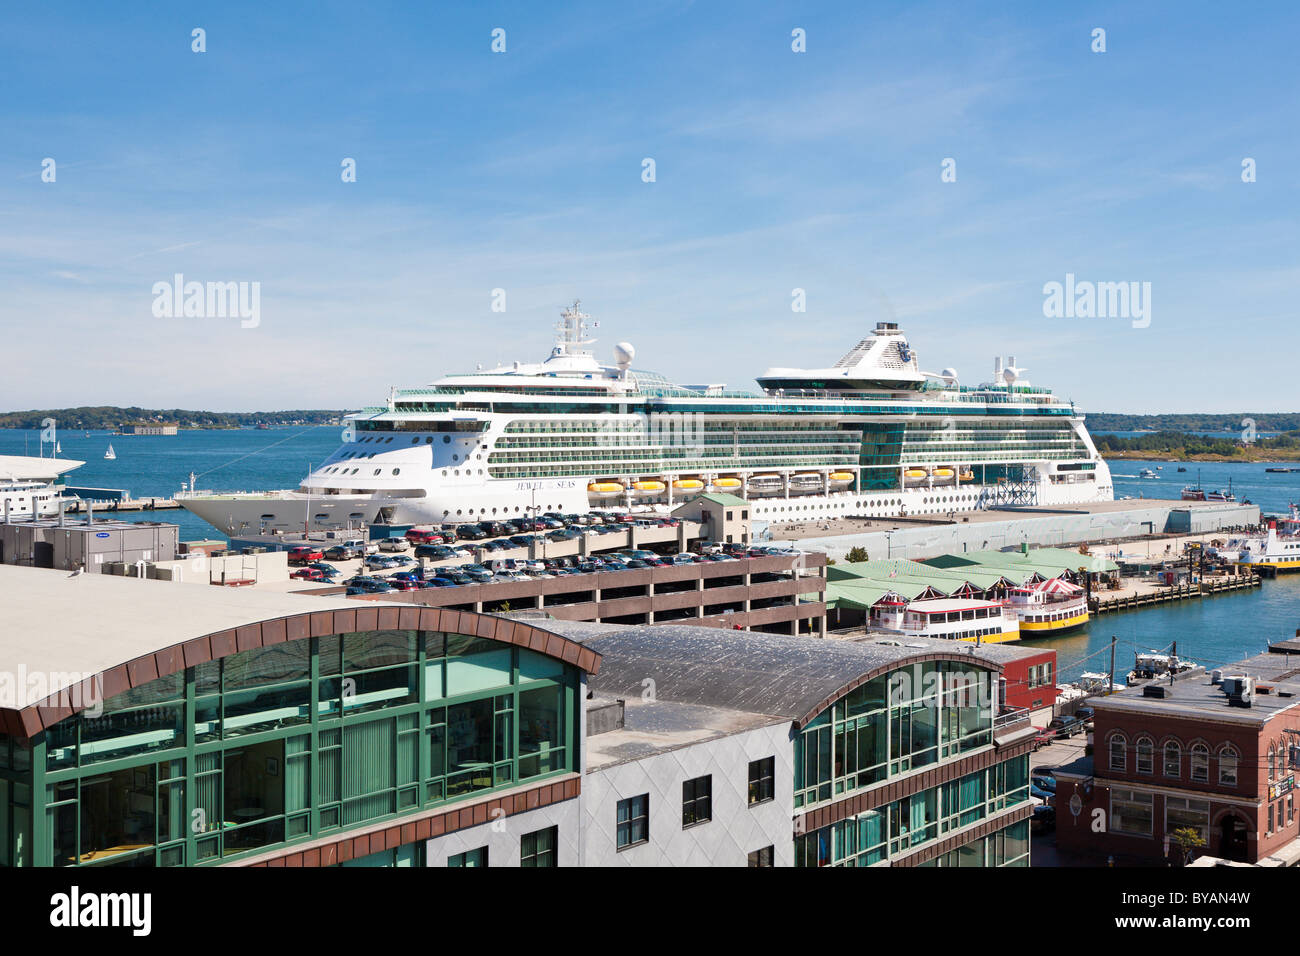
x=1279 y=548
x=954 y=619
x=872 y=434
x=1048 y=608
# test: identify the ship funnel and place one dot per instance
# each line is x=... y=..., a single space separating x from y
x=997 y=366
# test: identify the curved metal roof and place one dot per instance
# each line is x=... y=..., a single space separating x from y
x=774 y=674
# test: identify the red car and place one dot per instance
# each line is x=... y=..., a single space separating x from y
x=424 y=536
x=304 y=555
x=309 y=574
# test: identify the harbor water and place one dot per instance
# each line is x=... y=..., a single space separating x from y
x=1208 y=630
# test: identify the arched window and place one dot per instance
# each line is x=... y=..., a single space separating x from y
x=1228 y=766
x=1145 y=750
x=1272 y=762
x=1118 y=751
x=1173 y=759
x=1200 y=763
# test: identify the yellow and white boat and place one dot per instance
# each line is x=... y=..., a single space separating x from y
x=649 y=488
x=1049 y=608
x=605 y=489
x=688 y=484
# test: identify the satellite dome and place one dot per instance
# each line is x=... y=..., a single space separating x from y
x=949 y=375
x=623 y=354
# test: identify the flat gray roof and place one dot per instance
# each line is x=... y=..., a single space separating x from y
x=59 y=625
x=1195 y=695
x=659 y=726
x=756 y=673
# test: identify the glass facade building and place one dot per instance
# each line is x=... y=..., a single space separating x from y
x=919 y=716
x=284 y=744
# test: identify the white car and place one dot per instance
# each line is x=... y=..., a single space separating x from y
x=394 y=544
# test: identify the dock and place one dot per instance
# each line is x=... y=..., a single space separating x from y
x=74 y=506
x=1139 y=597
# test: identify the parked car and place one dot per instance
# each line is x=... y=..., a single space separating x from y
x=1043 y=738
x=326 y=569
x=1085 y=714
x=433 y=552
x=471 y=532
x=342 y=552
x=684 y=557
x=304 y=554
x=1066 y=726
x=394 y=544
x=308 y=574
x=1043 y=780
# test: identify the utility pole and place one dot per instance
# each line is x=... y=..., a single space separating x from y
x=1110 y=688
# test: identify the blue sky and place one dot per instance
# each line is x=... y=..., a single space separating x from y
x=522 y=171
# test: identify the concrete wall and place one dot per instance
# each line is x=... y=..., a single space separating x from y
x=736 y=829
x=1057 y=529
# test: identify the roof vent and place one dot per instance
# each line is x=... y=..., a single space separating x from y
x=1240 y=690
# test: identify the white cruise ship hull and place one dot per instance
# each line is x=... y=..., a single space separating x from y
x=288 y=511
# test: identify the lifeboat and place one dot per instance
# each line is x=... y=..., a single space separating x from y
x=765 y=485
x=648 y=488
x=727 y=484
x=605 y=489
x=841 y=477
x=943 y=474
x=914 y=476
x=688 y=484
x=967 y=476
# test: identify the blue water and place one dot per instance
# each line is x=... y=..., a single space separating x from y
x=1209 y=630
x=1273 y=493
x=157 y=465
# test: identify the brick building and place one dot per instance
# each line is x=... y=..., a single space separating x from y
x=1216 y=752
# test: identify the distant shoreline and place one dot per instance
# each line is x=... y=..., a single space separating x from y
x=1272 y=459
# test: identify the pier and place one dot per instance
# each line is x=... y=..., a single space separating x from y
x=1139 y=596
x=81 y=503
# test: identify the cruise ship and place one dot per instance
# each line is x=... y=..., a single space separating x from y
x=871 y=435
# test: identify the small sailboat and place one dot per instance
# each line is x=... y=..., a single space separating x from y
x=110 y=455
x=58 y=448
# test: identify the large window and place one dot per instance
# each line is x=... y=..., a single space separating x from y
x=1185 y=813
x=762 y=780
x=633 y=822
x=1173 y=759
x=911 y=718
x=292 y=741
x=697 y=801
x=1144 y=762
x=1228 y=767
x=470 y=858
x=1200 y=763
x=1118 y=752
x=1130 y=812
x=539 y=848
